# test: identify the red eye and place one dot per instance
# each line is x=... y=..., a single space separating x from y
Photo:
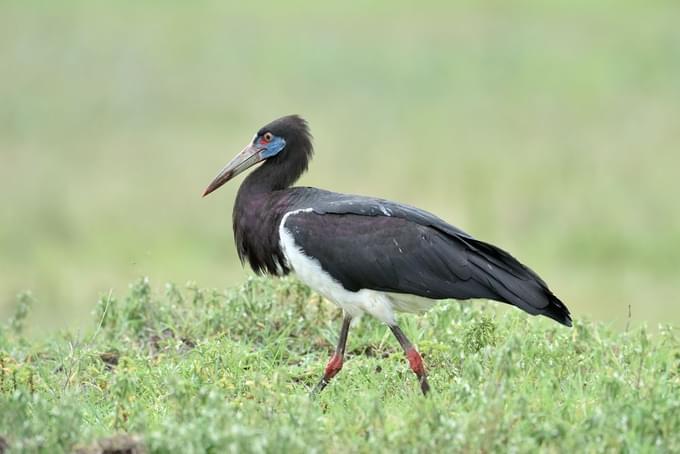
x=267 y=137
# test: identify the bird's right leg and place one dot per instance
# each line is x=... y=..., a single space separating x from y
x=414 y=358
x=335 y=363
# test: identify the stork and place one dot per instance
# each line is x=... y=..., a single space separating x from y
x=366 y=255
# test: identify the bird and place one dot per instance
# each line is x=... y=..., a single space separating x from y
x=366 y=255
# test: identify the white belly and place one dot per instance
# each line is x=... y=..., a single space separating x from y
x=378 y=304
x=405 y=302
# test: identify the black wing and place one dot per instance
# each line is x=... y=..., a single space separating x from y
x=380 y=245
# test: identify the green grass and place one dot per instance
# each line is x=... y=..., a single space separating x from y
x=549 y=128
x=192 y=370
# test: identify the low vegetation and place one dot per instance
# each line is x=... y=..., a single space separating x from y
x=193 y=370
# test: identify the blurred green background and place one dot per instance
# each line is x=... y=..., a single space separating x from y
x=549 y=128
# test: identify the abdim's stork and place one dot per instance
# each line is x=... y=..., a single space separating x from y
x=364 y=254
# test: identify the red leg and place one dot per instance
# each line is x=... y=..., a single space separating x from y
x=335 y=363
x=333 y=367
x=415 y=361
x=414 y=358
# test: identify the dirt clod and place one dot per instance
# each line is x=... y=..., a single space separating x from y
x=110 y=359
x=4 y=445
x=117 y=444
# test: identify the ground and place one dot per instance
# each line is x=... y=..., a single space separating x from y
x=192 y=370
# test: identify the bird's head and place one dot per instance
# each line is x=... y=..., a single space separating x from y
x=286 y=146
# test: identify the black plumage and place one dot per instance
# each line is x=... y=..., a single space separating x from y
x=379 y=245
x=365 y=243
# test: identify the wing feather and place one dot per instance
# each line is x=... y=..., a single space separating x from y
x=380 y=245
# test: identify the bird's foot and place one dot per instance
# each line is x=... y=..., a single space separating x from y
x=332 y=368
x=319 y=387
x=424 y=385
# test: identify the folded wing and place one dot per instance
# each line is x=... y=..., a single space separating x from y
x=380 y=245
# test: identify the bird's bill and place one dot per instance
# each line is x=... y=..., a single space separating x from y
x=247 y=158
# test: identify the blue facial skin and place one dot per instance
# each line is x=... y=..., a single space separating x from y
x=273 y=148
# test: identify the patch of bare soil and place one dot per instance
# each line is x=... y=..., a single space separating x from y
x=110 y=359
x=117 y=444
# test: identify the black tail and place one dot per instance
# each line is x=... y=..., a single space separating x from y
x=515 y=283
x=557 y=310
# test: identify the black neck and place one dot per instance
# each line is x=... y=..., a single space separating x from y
x=258 y=211
x=260 y=206
x=274 y=175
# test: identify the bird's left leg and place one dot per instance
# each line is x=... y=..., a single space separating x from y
x=414 y=358
x=335 y=363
